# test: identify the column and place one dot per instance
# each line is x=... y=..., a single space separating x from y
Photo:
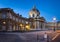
x=43 y=25
x=34 y=25
x=38 y=24
x=14 y=27
x=10 y=26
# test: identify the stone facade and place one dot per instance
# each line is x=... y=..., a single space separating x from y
x=52 y=25
x=38 y=21
x=11 y=21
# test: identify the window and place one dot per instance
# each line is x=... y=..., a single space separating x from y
x=37 y=15
x=3 y=15
x=33 y=15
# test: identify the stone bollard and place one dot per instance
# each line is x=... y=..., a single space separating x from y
x=48 y=39
x=37 y=37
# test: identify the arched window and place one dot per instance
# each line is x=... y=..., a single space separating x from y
x=33 y=15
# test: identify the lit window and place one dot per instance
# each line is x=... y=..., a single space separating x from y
x=20 y=24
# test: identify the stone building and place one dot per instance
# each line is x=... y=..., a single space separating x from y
x=11 y=21
x=38 y=22
x=52 y=25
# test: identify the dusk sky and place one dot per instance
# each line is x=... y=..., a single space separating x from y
x=48 y=8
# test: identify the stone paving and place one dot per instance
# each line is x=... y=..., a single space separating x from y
x=24 y=37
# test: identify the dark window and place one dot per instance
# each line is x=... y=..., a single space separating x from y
x=3 y=15
x=37 y=15
x=33 y=15
x=41 y=26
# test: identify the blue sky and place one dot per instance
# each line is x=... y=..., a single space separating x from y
x=48 y=8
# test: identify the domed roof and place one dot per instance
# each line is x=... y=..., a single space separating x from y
x=34 y=9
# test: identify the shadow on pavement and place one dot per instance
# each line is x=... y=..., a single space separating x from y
x=9 y=38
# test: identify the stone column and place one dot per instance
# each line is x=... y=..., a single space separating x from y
x=16 y=27
x=38 y=24
x=43 y=25
x=35 y=24
x=10 y=26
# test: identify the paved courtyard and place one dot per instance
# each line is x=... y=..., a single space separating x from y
x=37 y=36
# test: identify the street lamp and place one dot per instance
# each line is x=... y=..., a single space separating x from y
x=4 y=22
x=54 y=20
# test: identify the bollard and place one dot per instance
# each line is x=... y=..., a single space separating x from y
x=37 y=38
x=48 y=38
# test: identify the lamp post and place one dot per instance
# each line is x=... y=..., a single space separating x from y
x=54 y=20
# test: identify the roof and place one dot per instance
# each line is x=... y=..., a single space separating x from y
x=35 y=9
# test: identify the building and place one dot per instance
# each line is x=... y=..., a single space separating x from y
x=38 y=22
x=11 y=21
x=53 y=25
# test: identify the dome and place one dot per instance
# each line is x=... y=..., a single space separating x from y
x=35 y=10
